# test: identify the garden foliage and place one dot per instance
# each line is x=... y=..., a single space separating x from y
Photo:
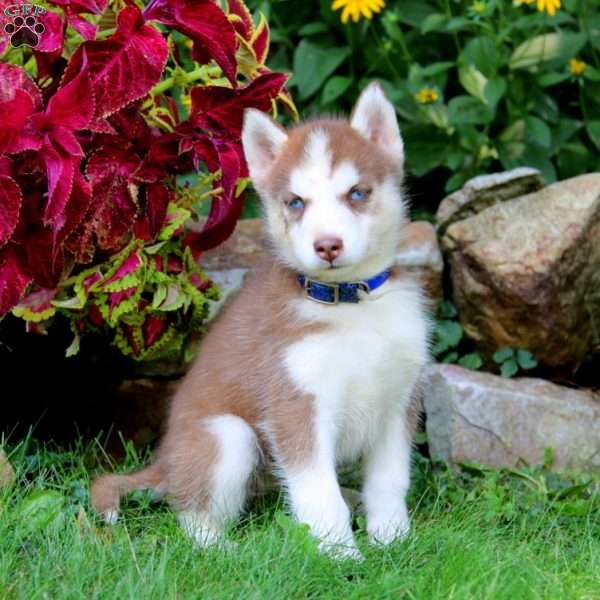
x=99 y=124
x=479 y=85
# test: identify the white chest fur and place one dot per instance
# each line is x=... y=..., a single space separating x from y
x=363 y=367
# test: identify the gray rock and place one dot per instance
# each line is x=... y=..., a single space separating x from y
x=484 y=191
x=495 y=421
x=526 y=272
x=229 y=282
x=419 y=253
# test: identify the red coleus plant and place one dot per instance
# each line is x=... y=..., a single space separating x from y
x=99 y=122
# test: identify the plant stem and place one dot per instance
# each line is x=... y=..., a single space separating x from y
x=169 y=82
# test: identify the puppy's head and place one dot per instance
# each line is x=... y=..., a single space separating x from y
x=331 y=188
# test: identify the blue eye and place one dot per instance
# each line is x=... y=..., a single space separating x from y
x=296 y=203
x=357 y=195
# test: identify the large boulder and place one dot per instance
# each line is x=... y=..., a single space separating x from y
x=491 y=420
x=484 y=191
x=526 y=272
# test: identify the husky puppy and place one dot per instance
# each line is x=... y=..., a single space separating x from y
x=315 y=362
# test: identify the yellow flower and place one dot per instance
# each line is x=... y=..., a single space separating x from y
x=549 y=6
x=427 y=96
x=577 y=67
x=357 y=8
x=479 y=7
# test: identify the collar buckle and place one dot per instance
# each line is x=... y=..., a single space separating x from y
x=332 y=286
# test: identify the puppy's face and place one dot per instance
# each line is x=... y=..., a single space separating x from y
x=330 y=188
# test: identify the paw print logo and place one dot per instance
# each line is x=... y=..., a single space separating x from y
x=24 y=30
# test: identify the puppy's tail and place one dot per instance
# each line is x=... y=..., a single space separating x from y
x=108 y=490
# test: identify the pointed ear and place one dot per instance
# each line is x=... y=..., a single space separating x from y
x=375 y=118
x=262 y=139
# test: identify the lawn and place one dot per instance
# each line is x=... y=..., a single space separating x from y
x=477 y=534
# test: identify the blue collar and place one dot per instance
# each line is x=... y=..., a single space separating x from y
x=332 y=293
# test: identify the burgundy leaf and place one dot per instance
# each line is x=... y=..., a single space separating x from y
x=125 y=66
x=53 y=37
x=72 y=105
x=16 y=132
x=76 y=208
x=242 y=21
x=95 y=7
x=50 y=65
x=89 y=281
x=13 y=78
x=203 y=22
x=38 y=301
x=6 y=166
x=116 y=298
x=157 y=200
x=260 y=43
x=130 y=265
x=152 y=330
x=60 y=169
x=86 y=29
x=160 y=160
x=222 y=109
x=96 y=317
x=114 y=203
x=226 y=209
x=10 y=206
x=14 y=277
x=44 y=262
x=199 y=283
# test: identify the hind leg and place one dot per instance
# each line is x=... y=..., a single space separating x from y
x=213 y=486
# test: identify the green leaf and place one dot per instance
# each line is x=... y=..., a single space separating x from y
x=593 y=130
x=455 y=182
x=40 y=509
x=334 y=88
x=481 y=53
x=447 y=310
x=436 y=68
x=449 y=334
x=526 y=360
x=548 y=79
x=457 y=24
x=312 y=29
x=509 y=368
x=503 y=354
x=434 y=22
x=425 y=148
x=176 y=217
x=592 y=73
x=450 y=358
x=414 y=12
x=159 y=295
x=474 y=81
x=73 y=348
x=464 y=110
x=546 y=48
x=538 y=132
x=494 y=90
x=471 y=361
x=313 y=64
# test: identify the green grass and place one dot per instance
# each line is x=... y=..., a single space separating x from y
x=478 y=534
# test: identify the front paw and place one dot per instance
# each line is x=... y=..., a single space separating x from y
x=341 y=551
x=385 y=530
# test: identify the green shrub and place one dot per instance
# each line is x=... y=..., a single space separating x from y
x=479 y=86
